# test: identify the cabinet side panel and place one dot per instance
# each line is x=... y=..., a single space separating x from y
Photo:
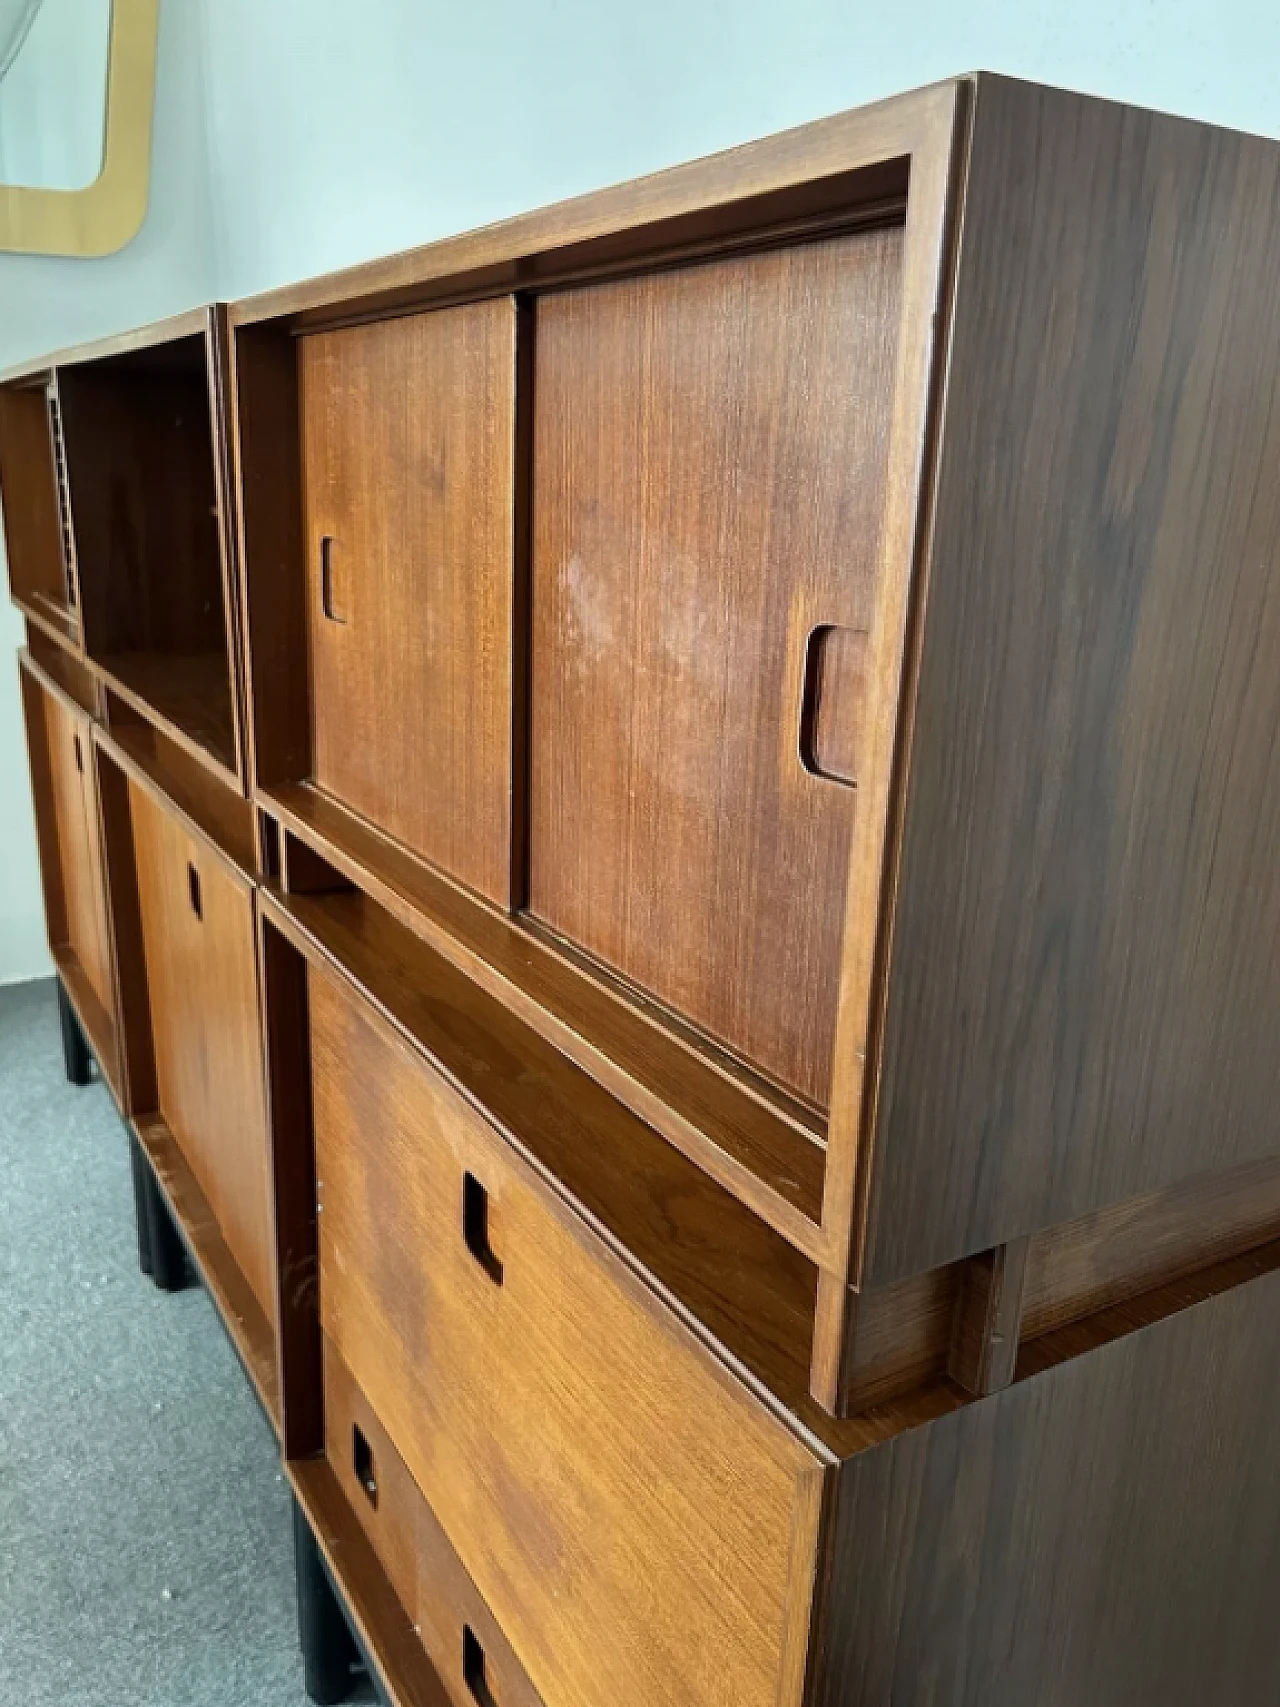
x=1086 y=955
x=1103 y=1532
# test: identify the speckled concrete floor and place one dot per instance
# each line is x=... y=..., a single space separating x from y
x=145 y=1547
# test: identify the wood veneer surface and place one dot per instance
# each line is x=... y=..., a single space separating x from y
x=710 y=451
x=408 y=443
x=202 y=980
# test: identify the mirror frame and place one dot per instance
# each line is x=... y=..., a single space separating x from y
x=105 y=215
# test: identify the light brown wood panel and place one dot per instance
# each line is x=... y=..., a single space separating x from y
x=710 y=451
x=415 y=1552
x=644 y=1530
x=79 y=847
x=203 y=985
x=408 y=433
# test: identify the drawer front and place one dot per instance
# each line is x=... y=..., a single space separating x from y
x=460 y=1634
x=198 y=937
x=408 y=453
x=79 y=850
x=643 y=1530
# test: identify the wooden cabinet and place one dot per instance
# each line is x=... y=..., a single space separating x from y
x=688 y=796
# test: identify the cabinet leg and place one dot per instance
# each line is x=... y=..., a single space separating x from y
x=76 y=1054
x=163 y=1241
x=141 y=1207
x=329 y=1655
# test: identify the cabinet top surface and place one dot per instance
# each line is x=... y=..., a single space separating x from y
x=531 y=248
x=195 y=322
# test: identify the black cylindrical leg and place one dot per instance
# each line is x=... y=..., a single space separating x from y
x=76 y=1054
x=164 y=1242
x=329 y=1653
x=141 y=1212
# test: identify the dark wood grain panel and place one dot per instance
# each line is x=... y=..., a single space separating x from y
x=263 y=420
x=28 y=490
x=1088 y=923
x=710 y=451
x=141 y=474
x=409 y=441
x=143 y=453
x=200 y=945
x=496 y=1359
x=202 y=796
x=1103 y=1532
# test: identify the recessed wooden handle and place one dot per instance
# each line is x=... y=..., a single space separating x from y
x=362 y=1463
x=326 y=580
x=832 y=702
x=79 y=750
x=475 y=1227
x=473 y=1668
x=193 y=891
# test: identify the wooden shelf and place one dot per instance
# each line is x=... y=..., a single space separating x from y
x=769 y=1155
x=750 y=1290
x=204 y=800
x=190 y=695
x=249 y=1328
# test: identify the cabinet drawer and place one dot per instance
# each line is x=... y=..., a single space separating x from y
x=202 y=984
x=458 y=1631
x=642 y=1527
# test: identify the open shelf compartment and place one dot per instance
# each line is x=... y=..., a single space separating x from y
x=148 y=525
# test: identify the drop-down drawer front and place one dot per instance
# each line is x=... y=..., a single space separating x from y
x=202 y=982
x=75 y=810
x=642 y=1527
x=462 y=1639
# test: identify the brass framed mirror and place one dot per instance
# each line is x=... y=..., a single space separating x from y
x=77 y=91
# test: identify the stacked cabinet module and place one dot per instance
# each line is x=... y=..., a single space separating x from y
x=673 y=860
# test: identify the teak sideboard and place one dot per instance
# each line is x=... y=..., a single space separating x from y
x=664 y=820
